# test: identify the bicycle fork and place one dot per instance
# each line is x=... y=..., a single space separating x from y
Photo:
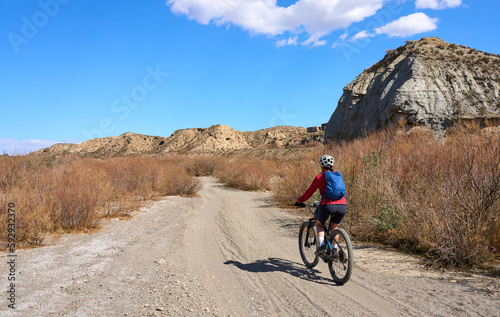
x=311 y=223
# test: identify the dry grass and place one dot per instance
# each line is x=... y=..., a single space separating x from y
x=295 y=176
x=424 y=194
x=439 y=197
x=71 y=193
x=203 y=165
x=247 y=173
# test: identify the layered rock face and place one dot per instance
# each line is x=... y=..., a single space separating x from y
x=215 y=139
x=428 y=83
x=220 y=138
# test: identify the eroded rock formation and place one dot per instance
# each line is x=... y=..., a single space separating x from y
x=428 y=83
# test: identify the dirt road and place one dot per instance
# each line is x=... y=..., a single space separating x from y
x=225 y=253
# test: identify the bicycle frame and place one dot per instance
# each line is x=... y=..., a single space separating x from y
x=339 y=259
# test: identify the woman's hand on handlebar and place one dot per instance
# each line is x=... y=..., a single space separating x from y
x=297 y=204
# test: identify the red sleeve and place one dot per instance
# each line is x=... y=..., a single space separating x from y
x=316 y=183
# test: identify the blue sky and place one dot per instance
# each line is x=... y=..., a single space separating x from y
x=74 y=70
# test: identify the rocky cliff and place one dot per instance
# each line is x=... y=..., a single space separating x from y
x=427 y=82
x=215 y=139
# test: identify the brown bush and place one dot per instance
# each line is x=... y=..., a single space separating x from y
x=76 y=191
x=296 y=177
x=462 y=209
x=69 y=193
x=414 y=191
x=247 y=173
x=203 y=165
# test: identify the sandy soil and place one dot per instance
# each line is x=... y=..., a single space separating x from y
x=227 y=253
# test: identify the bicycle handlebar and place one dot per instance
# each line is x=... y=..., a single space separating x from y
x=316 y=204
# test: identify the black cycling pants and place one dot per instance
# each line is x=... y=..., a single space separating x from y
x=336 y=211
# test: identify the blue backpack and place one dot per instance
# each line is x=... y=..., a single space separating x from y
x=335 y=187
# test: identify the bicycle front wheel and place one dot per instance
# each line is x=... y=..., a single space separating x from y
x=341 y=263
x=308 y=244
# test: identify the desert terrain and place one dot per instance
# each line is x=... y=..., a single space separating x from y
x=228 y=253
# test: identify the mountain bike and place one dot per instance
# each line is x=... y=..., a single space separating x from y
x=340 y=260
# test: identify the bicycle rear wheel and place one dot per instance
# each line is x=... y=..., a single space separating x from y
x=342 y=261
x=308 y=244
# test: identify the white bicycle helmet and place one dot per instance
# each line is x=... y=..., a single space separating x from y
x=326 y=160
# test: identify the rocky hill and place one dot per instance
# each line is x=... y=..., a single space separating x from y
x=215 y=139
x=427 y=82
x=123 y=145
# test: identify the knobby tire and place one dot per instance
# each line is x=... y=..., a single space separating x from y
x=308 y=247
x=341 y=265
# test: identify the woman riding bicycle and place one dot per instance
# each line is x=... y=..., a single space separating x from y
x=334 y=208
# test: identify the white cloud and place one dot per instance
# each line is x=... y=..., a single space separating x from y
x=343 y=36
x=20 y=147
x=341 y=39
x=315 y=17
x=319 y=43
x=409 y=25
x=361 y=35
x=437 y=4
x=315 y=40
x=290 y=41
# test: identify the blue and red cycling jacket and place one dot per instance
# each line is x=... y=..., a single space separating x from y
x=319 y=182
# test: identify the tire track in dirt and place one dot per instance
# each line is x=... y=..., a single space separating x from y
x=227 y=252
x=248 y=238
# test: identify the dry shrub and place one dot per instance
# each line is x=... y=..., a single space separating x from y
x=24 y=182
x=459 y=204
x=131 y=177
x=146 y=177
x=247 y=173
x=68 y=193
x=295 y=178
x=295 y=175
x=76 y=191
x=15 y=169
x=174 y=180
x=29 y=207
x=203 y=165
x=414 y=191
